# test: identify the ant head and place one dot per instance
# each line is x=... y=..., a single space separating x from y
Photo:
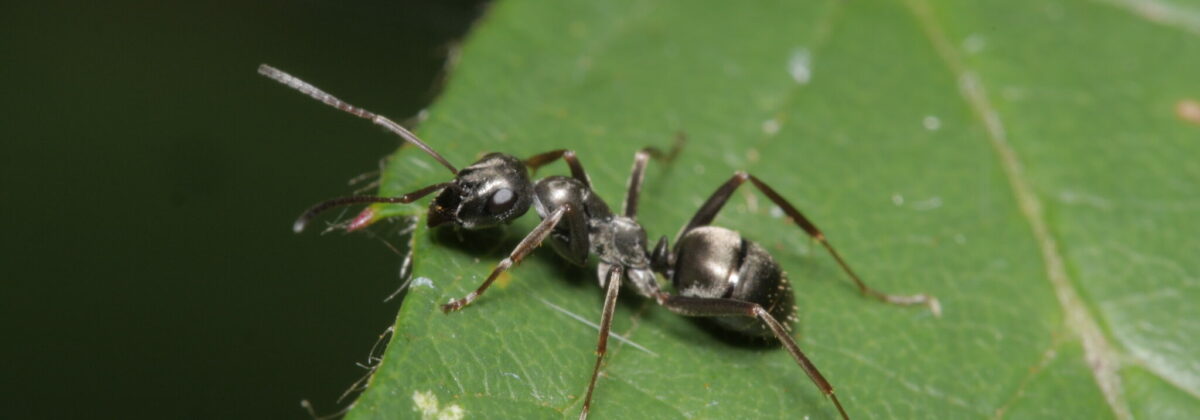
x=493 y=191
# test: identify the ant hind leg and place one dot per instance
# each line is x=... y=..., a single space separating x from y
x=610 y=303
x=710 y=307
x=708 y=211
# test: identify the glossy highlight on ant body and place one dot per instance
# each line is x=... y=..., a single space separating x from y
x=714 y=271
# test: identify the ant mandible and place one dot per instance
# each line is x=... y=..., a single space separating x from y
x=715 y=271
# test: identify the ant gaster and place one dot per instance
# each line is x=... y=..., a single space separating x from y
x=715 y=271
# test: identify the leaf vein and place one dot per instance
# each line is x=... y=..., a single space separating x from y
x=1048 y=356
x=1101 y=357
x=1162 y=13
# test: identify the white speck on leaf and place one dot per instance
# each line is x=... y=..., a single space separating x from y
x=422 y=282
x=974 y=43
x=453 y=412
x=932 y=123
x=776 y=212
x=1188 y=110
x=929 y=204
x=800 y=65
x=898 y=199
x=426 y=403
x=770 y=127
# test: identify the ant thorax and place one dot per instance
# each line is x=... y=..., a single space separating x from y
x=617 y=241
x=620 y=241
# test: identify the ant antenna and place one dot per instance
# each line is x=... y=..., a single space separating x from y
x=320 y=95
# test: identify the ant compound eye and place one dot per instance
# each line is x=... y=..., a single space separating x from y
x=502 y=200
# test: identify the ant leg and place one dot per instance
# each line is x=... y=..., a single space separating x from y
x=321 y=207
x=568 y=155
x=373 y=176
x=709 y=307
x=638 y=173
x=527 y=245
x=710 y=208
x=610 y=304
x=360 y=178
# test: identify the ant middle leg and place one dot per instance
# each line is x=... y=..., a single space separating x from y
x=606 y=316
x=638 y=173
x=527 y=245
x=708 y=211
x=712 y=307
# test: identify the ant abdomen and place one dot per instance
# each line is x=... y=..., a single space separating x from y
x=714 y=262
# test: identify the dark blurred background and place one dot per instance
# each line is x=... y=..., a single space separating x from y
x=149 y=182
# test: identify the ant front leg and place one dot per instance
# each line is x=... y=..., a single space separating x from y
x=709 y=211
x=527 y=245
x=565 y=154
x=712 y=307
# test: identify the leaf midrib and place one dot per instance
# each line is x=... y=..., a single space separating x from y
x=1102 y=358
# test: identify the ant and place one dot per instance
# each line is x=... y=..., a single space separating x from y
x=715 y=271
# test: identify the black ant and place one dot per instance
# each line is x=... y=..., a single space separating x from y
x=715 y=271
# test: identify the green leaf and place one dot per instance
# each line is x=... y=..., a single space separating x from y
x=1031 y=163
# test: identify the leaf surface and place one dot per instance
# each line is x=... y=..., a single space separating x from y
x=1031 y=163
